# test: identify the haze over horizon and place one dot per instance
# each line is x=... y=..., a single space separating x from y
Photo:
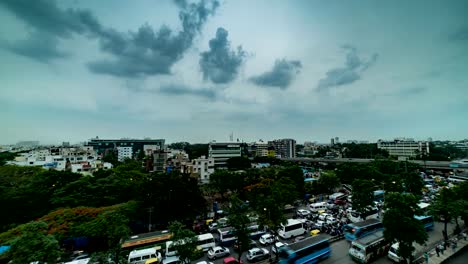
x=198 y=71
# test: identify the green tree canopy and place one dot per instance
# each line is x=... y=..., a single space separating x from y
x=400 y=224
x=184 y=241
x=329 y=181
x=363 y=195
x=34 y=244
x=445 y=207
x=239 y=220
x=238 y=163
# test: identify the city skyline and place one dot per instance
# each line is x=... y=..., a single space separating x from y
x=198 y=71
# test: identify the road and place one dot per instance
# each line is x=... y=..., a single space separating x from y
x=460 y=258
x=340 y=249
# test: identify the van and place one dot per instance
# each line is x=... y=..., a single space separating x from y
x=291 y=229
x=393 y=253
x=142 y=255
x=315 y=207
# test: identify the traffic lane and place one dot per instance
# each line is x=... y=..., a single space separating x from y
x=340 y=248
x=244 y=254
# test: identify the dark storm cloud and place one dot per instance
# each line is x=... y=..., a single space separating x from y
x=221 y=64
x=41 y=47
x=179 y=90
x=351 y=72
x=283 y=73
x=141 y=53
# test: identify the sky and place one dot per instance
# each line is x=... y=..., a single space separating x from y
x=200 y=70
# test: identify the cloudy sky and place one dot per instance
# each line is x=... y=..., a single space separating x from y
x=198 y=70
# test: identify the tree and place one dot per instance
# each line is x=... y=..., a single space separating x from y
x=239 y=220
x=238 y=163
x=413 y=183
x=141 y=155
x=400 y=224
x=268 y=199
x=444 y=207
x=184 y=241
x=34 y=244
x=329 y=181
x=363 y=196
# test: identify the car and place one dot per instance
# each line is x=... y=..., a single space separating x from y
x=256 y=254
x=267 y=239
x=340 y=201
x=319 y=223
x=303 y=213
x=323 y=216
x=205 y=262
x=218 y=252
x=278 y=246
x=213 y=226
x=171 y=260
x=231 y=260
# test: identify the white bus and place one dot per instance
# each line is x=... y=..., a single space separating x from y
x=142 y=255
x=369 y=248
x=292 y=228
x=206 y=241
x=315 y=207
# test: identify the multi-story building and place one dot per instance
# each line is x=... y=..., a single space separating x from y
x=284 y=148
x=259 y=148
x=404 y=148
x=221 y=152
x=137 y=145
x=204 y=167
x=124 y=153
x=160 y=160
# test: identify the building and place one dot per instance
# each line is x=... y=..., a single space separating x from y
x=160 y=160
x=259 y=149
x=284 y=148
x=221 y=152
x=103 y=145
x=124 y=153
x=332 y=141
x=404 y=148
x=204 y=167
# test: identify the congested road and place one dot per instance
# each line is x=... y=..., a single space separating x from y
x=340 y=248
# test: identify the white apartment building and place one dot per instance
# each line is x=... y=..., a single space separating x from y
x=204 y=167
x=261 y=148
x=221 y=152
x=124 y=152
x=405 y=148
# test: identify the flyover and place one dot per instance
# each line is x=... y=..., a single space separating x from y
x=429 y=164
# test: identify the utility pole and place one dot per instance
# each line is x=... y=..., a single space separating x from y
x=150 y=212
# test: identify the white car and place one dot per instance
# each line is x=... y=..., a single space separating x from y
x=277 y=246
x=218 y=252
x=171 y=260
x=319 y=223
x=267 y=239
x=330 y=219
x=323 y=216
x=256 y=254
x=303 y=213
x=213 y=226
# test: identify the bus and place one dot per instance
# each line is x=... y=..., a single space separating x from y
x=309 y=250
x=226 y=236
x=358 y=230
x=206 y=241
x=379 y=196
x=369 y=248
x=372 y=212
x=292 y=228
x=426 y=220
x=255 y=231
x=146 y=239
